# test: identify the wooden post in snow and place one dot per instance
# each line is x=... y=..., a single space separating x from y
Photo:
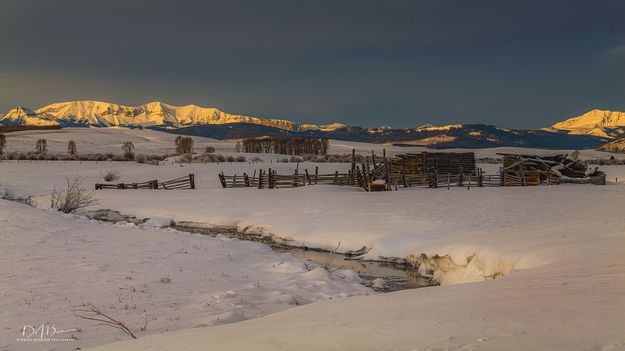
x=316 y=174
x=353 y=180
x=192 y=181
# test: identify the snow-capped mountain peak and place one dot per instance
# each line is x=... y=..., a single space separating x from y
x=104 y=114
x=601 y=123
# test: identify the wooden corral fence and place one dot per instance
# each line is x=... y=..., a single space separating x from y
x=186 y=182
x=429 y=169
x=270 y=179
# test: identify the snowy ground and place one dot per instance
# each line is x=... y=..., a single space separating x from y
x=522 y=268
x=52 y=263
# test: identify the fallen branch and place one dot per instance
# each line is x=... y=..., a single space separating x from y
x=95 y=314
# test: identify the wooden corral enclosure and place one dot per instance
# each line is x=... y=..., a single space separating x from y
x=430 y=169
x=187 y=182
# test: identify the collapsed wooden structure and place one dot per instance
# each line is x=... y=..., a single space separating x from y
x=186 y=182
x=529 y=170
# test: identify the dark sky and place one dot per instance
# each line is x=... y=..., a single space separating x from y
x=521 y=64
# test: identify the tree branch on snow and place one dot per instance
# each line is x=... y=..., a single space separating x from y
x=93 y=313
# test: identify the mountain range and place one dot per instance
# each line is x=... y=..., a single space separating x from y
x=589 y=130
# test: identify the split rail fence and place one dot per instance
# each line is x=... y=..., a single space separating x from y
x=186 y=182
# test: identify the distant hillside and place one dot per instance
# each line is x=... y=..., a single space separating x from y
x=456 y=136
x=19 y=128
x=616 y=146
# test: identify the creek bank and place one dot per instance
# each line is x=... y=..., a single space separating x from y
x=391 y=274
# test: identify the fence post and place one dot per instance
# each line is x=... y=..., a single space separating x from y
x=353 y=180
x=316 y=174
x=246 y=179
x=192 y=180
x=222 y=180
x=270 y=176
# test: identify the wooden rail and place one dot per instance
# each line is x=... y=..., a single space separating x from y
x=186 y=182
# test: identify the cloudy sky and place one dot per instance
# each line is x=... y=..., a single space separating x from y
x=521 y=64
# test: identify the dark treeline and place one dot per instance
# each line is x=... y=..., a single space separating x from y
x=18 y=128
x=286 y=146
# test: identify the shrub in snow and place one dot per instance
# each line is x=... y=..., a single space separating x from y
x=240 y=158
x=186 y=158
x=111 y=175
x=140 y=158
x=332 y=158
x=209 y=150
x=75 y=196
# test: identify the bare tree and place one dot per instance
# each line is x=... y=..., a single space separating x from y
x=71 y=147
x=73 y=198
x=177 y=141
x=184 y=145
x=41 y=146
x=129 y=150
x=3 y=143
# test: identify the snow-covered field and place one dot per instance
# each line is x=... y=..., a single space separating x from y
x=93 y=140
x=522 y=268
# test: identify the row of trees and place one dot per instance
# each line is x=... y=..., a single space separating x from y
x=41 y=147
x=286 y=146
